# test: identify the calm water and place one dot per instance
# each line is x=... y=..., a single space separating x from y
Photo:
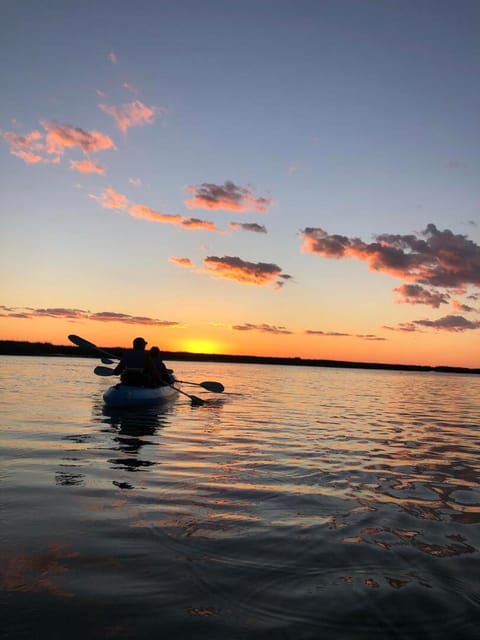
x=302 y=503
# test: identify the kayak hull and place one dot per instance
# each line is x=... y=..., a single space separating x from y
x=124 y=395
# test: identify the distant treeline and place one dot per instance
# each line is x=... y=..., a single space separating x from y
x=19 y=348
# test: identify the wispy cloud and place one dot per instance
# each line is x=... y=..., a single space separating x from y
x=133 y=114
x=136 y=182
x=256 y=273
x=27 y=147
x=262 y=328
x=111 y=199
x=81 y=314
x=146 y=213
x=182 y=262
x=112 y=57
x=131 y=88
x=196 y=223
x=228 y=196
x=143 y=212
x=459 y=306
x=86 y=166
x=248 y=226
x=338 y=334
x=452 y=323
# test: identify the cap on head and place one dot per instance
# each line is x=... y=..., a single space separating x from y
x=139 y=342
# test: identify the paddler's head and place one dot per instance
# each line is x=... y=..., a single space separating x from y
x=139 y=343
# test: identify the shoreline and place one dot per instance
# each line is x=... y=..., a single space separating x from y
x=22 y=348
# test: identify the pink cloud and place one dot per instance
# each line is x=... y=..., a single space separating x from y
x=228 y=196
x=80 y=314
x=135 y=181
x=133 y=114
x=27 y=147
x=61 y=137
x=111 y=199
x=86 y=166
x=113 y=58
x=234 y=268
x=451 y=323
x=36 y=147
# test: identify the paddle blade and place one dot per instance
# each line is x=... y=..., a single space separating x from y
x=210 y=385
x=103 y=371
x=80 y=342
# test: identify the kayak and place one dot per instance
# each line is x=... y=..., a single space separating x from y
x=124 y=395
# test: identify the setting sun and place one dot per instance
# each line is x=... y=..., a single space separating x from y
x=201 y=345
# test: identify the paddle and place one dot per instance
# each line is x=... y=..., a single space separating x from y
x=103 y=371
x=81 y=342
x=209 y=385
x=106 y=371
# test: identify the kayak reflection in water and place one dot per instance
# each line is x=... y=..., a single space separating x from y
x=136 y=367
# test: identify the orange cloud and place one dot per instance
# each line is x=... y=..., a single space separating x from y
x=111 y=199
x=145 y=213
x=182 y=262
x=234 y=268
x=133 y=114
x=86 y=166
x=228 y=196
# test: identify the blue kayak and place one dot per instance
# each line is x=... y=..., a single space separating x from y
x=124 y=395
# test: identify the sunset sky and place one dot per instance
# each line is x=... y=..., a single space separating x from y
x=268 y=177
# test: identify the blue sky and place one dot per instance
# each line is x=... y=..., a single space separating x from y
x=358 y=118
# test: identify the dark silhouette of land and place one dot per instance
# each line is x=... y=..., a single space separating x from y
x=19 y=348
